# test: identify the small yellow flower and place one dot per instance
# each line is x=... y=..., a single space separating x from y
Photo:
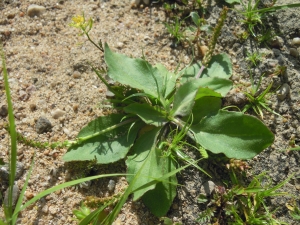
x=78 y=21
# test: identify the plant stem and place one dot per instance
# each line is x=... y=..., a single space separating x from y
x=200 y=72
x=13 y=139
x=182 y=125
x=97 y=46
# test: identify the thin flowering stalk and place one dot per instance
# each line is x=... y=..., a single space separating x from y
x=79 y=140
x=213 y=42
x=85 y=27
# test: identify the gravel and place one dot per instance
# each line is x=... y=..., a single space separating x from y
x=43 y=125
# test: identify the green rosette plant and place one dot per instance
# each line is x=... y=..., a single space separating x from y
x=157 y=106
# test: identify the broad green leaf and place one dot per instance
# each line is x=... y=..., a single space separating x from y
x=219 y=66
x=149 y=114
x=207 y=28
x=184 y=98
x=234 y=134
x=189 y=73
x=114 y=213
x=166 y=221
x=233 y=1
x=220 y=85
x=164 y=191
x=196 y=19
x=169 y=79
x=136 y=73
x=147 y=157
x=207 y=103
x=205 y=106
x=108 y=147
x=206 y=92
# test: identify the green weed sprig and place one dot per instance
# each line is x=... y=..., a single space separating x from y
x=215 y=37
x=258 y=101
x=8 y=207
x=213 y=42
x=42 y=145
x=254 y=16
x=37 y=144
x=242 y=204
x=85 y=27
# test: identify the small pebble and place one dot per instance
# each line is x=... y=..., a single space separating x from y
x=45 y=209
x=52 y=210
x=57 y=113
x=111 y=185
x=20 y=115
x=11 y=16
x=109 y=94
x=207 y=188
x=235 y=78
x=32 y=107
x=277 y=42
x=35 y=10
x=23 y=95
x=76 y=75
x=66 y=131
x=175 y=206
x=296 y=41
x=120 y=45
x=3 y=111
x=75 y=107
x=31 y=89
x=15 y=195
x=43 y=125
x=4 y=171
x=238 y=98
x=294 y=52
x=298 y=132
x=46 y=152
x=29 y=195
x=19 y=170
x=283 y=92
x=86 y=184
x=202 y=50
x=135 y=3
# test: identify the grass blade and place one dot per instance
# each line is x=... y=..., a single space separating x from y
x=274 y=8
x=18 y=205
x=95 y=213
x=64 y=185
x=13 y=139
